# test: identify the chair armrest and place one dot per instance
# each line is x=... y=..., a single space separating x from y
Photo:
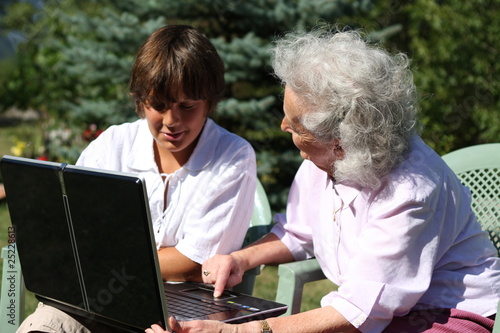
x=496 y=327
x=292 y=277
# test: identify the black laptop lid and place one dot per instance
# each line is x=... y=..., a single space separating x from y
x=84 y=241
x=37 y=212
x=119 y=265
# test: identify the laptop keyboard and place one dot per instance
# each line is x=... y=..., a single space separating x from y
x=183 y=307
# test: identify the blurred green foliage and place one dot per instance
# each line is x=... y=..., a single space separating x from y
x=73 y=65
x=454 y=46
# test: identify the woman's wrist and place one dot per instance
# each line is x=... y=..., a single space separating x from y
x=240 y=261
x=250 y=327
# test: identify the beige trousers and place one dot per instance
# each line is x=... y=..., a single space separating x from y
x=51 y=320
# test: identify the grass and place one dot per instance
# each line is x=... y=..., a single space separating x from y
x=265 y=285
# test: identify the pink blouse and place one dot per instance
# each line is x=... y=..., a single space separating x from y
x=414 y=243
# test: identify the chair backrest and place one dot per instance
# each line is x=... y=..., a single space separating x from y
x=261 y=221
x=260 y=224
x=478 y=168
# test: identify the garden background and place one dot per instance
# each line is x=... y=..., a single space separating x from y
x=64 y=68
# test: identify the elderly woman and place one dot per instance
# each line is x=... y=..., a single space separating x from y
x=387 y=220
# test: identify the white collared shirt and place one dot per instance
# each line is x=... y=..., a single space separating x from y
x=210 y=199
x=412 y=244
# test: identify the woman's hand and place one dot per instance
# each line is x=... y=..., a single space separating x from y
x=155 y=329
x=195 y=326
x=325 y=319
x=224 y=271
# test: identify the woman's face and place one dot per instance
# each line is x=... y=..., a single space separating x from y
x=322 y=155
x=176 y=127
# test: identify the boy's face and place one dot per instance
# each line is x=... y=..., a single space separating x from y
x=176 y=127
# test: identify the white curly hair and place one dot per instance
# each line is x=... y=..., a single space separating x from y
x=356 y=93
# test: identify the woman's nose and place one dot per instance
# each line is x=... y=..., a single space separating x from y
x=284 y=125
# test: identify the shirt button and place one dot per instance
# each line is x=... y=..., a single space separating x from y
x=359 y=321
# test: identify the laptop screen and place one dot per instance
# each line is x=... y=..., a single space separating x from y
x=112 y=211
x=37 y=213
x=84 y=239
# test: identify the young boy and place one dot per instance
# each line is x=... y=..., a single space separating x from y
x=200 y=178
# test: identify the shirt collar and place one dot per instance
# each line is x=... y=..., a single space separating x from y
x=204 y=151
x=346 y=191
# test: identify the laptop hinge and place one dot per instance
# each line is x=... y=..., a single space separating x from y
x=72 y=237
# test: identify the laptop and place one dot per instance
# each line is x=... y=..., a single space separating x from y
x=85 y=243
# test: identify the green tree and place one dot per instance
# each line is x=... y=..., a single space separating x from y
x=454 y=47
x=73 y=68
x=75 y=65
x=78 y=65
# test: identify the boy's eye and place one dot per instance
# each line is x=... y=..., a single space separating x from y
x=187 y=106
x=159 y=107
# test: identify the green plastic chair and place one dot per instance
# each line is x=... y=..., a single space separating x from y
x=260 y=224
x=478 y=167
x=496 y=328
x=13 y=293
x=292 y=277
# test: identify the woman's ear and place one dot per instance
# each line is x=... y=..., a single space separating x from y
x=338 y=150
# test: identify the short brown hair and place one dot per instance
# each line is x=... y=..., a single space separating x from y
x=175 y=62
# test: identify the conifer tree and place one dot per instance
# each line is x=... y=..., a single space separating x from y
x=86 y=49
